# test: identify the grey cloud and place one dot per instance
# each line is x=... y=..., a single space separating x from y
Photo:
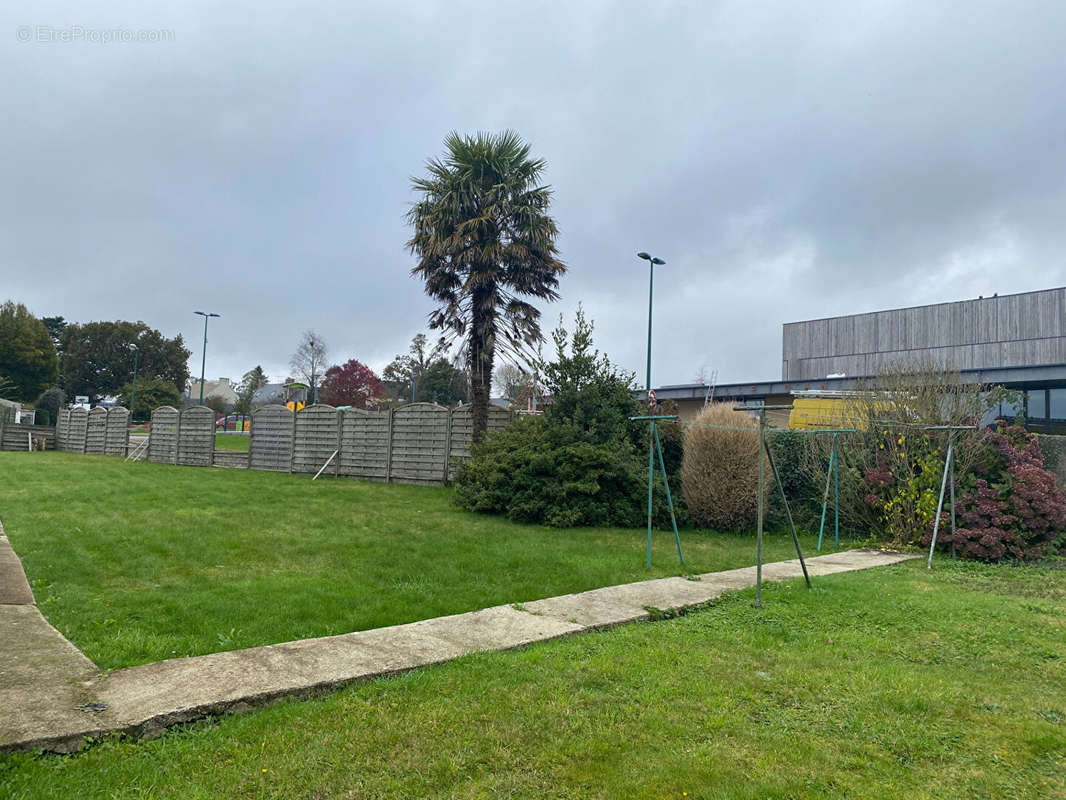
x=788 y=161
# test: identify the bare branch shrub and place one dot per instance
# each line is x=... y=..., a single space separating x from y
x=720 y=469
x=891 y=448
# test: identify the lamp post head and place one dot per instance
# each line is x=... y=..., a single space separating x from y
x=657 y=261
x=644 y=255
x=651 y=258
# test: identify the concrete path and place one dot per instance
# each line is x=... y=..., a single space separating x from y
x=42 y=675
x=57 y=707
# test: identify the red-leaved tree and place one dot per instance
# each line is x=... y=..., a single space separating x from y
x=351 y=384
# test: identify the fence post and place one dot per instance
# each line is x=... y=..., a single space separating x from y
x=292 y=444
x=448 y=444
x=340 y=443
x=177 y=438
x=249 y=457
x=388 y=449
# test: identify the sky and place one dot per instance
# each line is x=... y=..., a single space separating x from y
x=787 y=160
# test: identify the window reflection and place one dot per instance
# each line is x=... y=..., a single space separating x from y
x=1037 y=404
x=1058 y=403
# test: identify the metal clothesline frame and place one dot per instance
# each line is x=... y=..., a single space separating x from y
x=831 y=473
x=655 y=446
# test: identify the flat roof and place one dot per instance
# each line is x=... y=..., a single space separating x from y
x=924 y=305
x=1051 y=375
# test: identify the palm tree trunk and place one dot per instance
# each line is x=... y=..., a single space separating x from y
x=481 y=357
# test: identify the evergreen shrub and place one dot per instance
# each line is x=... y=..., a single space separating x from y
x=582 y=461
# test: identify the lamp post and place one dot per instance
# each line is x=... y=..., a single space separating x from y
x=653 y=435
x=652 y=264
x=133 y=391
x=203 y=362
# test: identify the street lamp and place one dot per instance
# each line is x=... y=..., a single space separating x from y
x=203 y=362
x=652 y=264
x=654 y=444
x=133 y=391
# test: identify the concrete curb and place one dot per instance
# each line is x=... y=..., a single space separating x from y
x=145 y=700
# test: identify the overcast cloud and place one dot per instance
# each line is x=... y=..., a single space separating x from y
x=788 y=160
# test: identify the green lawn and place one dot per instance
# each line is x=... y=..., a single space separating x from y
x=232 y=441
x=893 y=683
x=137 y=562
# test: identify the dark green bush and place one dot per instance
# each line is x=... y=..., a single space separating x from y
x=791 y=454
x=48 y=405
x=582 y=462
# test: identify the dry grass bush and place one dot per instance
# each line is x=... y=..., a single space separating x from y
x=720 y=468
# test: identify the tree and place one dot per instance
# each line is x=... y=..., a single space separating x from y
x=28 y=358
x=484 y=241
x=55 y=326
x=582 y=462
x=50 y=402
x=309 y=361
x=513 y=382
x=218 y=404
x=405 y=372
x=253 y=380
x=98 y=357
x=351 y=384
x=443 y=384
x=151 y=394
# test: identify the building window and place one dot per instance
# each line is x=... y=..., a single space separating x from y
x=1036 y=404
x=1057 y=404
x=1008 y=411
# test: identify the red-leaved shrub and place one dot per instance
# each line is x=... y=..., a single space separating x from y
x=1014 y=507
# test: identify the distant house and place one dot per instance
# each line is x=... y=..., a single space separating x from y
x=281 y=394
x=10 y=411
x=223 y=387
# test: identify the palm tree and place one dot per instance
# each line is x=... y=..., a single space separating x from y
x=484 y=240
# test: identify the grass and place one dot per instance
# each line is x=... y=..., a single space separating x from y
x=232 y=441
x=137 y=562
x=893 y=683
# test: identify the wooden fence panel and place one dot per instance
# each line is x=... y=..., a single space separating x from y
x=62 y=428
x=463 y=432
x=118 y=431
x=26 y=437
x=420 y=443
x=364 y=444
x=96 y=431
x=163 y=438
x=271 y=439
x=196 y=438
x=79 y=421
x=317 y=436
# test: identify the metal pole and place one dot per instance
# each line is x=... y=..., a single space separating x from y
x=669 y=499
x=836 y=494
x=651 y=467
x=825 y=494
x=788 y=512
x=651 y=287
x=951 y=479
x=647 y=387
x=203 y=362
x=940 y=505
x=759 y=505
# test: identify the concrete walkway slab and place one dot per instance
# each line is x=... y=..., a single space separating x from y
x=145 y=700
x=14 y=588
